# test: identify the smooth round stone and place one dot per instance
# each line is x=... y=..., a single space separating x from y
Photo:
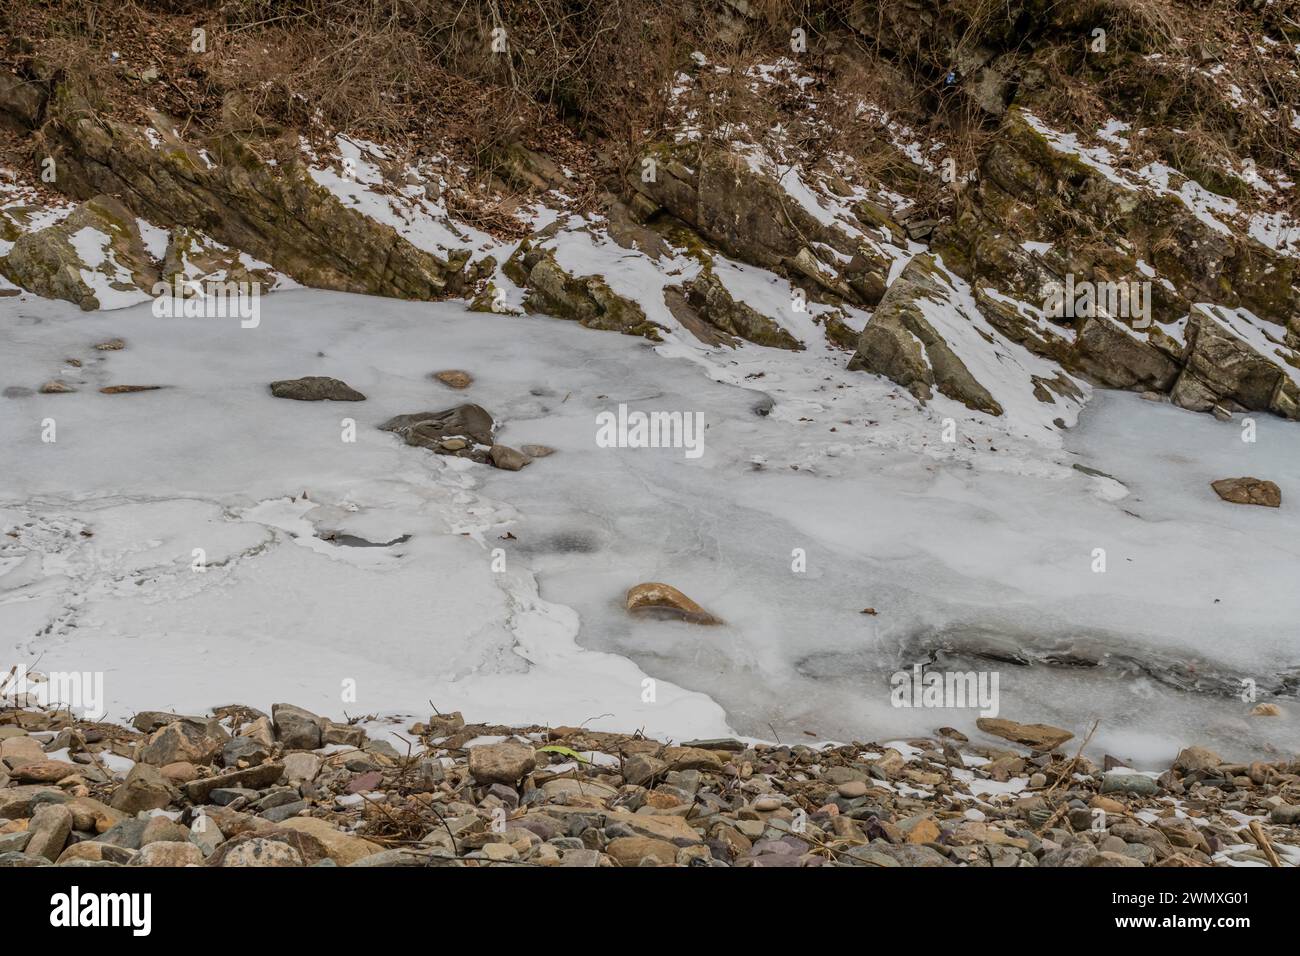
x=852 y=789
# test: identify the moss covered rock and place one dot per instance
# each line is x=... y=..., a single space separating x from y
x=98 y=245
x=746 y=214
x=587 y=300
x=1221 y=365
x=223 y=188
x=711 y=300
x=900 y=343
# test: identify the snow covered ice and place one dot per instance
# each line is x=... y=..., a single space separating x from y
x=974 y=557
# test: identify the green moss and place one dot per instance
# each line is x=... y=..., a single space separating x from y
x=682 y=236
x=587 y=300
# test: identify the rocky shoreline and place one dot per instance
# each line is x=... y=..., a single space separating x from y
x=240 y=787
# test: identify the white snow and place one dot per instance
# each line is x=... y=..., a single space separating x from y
x=107 y=278
x=1265 y=337
x=1275 y=230
x=984 y=542
x=355 y=176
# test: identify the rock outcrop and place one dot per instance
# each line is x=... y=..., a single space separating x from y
x=714 y=304
x=223 y=187
x=587 y=300
x=901 y=343
x=97 y=247
x=747 y=214
x=1220 y=364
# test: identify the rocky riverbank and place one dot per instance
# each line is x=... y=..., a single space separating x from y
x=240 y=787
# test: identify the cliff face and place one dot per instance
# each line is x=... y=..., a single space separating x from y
x=1100 y=194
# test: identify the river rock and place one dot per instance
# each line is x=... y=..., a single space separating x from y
x=145 y=788
x=253 y=778
x=44 y=771
x=505 y=762
x=1191 y=759
x=190 y=740
x=1035 y=736
x=1248 y=491
x=1126 y=781
x=295 y=728
x=344 y=849
x=316 y=388
x=169 y=853
x=93 y=851
x=653 y=594
x=258 y=851
x=454 y=378
x=49 y=829
x=507 y=458
x=453 y=431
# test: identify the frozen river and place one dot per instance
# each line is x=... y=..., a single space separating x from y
x=819 y=493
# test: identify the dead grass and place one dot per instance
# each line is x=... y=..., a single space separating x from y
x=588 y=81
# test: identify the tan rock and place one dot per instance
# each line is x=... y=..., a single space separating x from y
x=192 y=741
x=260 y=730
x=44 y=771
x=162 y=829
x=50 y=827
x=1191 y=759
x=182 y=771
x=579 y=787
x=653 y=594
x=89 y=814
x=341 y=847
x=1248 y=491
x=454 y=378
x=500 y=851
x=94 y=852
x=1034 y=736
x=505 y=762
x=662 y=801
x=690 y=758
x=145 y=788
x=661 y=826
x=301 y=767
x=629 y=851
x=16 y=802
x=1099 y=802
x=507 y=458
x=23 y=748
x=924 y=830
x=1109 y=858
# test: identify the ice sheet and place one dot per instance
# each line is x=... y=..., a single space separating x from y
x=965 y=551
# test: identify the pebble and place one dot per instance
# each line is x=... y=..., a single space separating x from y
x=638 y=802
